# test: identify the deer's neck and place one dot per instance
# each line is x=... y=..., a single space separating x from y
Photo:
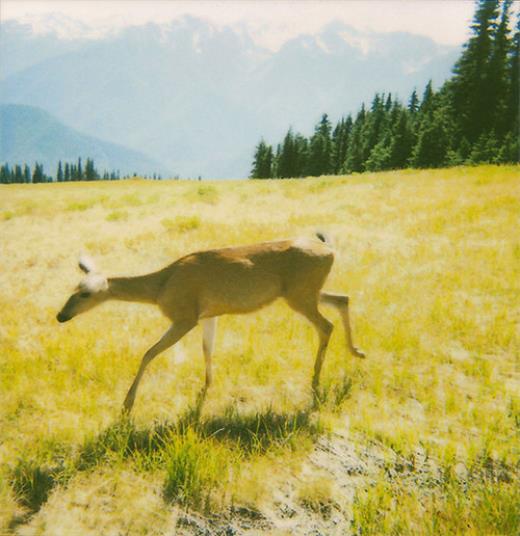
x=143 y=288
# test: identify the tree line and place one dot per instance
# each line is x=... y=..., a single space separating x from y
x=65 y=172
x=473 y=118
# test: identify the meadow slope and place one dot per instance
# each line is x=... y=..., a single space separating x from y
x=422 y=437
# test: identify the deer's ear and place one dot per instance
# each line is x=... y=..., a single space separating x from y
x=86 y=264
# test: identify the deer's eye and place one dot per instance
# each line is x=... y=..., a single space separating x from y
x=84 y=294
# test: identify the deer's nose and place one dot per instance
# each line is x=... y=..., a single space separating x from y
x=60 y=317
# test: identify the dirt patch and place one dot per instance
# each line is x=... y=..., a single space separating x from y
x=335 y=461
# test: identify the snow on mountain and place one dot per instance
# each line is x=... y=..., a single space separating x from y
x=197 y=96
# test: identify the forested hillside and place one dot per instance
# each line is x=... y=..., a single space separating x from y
x=195 y=96
x=473 y=118
x=30 y=136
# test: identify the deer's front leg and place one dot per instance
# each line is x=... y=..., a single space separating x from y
x=176 y=332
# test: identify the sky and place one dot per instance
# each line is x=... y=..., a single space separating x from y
x=271 y=22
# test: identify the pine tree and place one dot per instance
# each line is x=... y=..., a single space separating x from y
x=354 y=158
x=427 y=102
x=340 y=139
x=18 y=174
x=432 y=145
x=498 y=71
x=413 y=103
x=90 y=171
x=59 y=173
x=79 y=171
x=485 y=150
x=38 y=174
x=320 y=148
x=472 y=90
x=402 y=142
x=26 y=174
x=301 y=146
x=374 y=127
x=388 y=103
x=287 y=157
x=379 y=158
x=513 y=98
x=509 y=152
x=263 y=161
x=5 y=174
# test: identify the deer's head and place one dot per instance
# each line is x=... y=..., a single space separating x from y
x=91 y=291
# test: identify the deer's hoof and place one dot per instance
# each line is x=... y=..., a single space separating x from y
x=359 y=353
x=127 y=407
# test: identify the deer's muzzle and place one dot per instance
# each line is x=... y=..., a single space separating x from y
x=60 y=317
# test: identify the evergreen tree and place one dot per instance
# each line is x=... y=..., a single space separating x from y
x=263 y=162
x=59 y=173
x=79 y=171
x=413 y=103
x=432 y=147
x=388 y=103
x=427 y=103
x=379 y=158
x=340 y=139
x=5 y=174
x=485 y=150
x=354 y=160
x=402 y=142
x=18 y=174
x=38 y=174
x=472 y=89
x=373 y=129
x=320 y=148
x=66 y=175
x=499 y=84
x=513 y=98
x=287 y=157
x=301 y=145
x=509 y=152
x=26 y=174
x=90 y=171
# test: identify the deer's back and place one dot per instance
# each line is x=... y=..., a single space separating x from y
x=242 y=279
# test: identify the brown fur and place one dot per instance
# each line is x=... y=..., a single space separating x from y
x=234 y=280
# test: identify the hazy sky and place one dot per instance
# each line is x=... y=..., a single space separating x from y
x=272 y=22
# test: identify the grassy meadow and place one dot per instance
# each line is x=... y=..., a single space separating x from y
x=422 y=437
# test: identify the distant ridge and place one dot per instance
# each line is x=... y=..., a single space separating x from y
x=197 y=96
x=29 y=134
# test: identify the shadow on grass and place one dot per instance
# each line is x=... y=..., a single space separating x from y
x=32 y=483
x=253 y=433
x=181 y=447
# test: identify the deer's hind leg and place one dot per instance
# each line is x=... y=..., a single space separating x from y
x=308 y=307
x=341 y=302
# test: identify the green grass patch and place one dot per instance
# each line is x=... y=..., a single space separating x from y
x=117 y=215
x=181 y=224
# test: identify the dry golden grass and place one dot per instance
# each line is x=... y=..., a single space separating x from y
x=431 y=260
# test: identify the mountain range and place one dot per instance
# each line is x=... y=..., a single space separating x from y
x=196 y=97
x=29 y=135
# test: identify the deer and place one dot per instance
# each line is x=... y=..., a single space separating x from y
x=204 y=285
